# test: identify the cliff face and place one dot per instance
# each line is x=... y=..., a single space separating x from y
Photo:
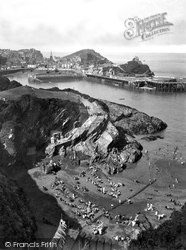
x=17 y=222
x=90 y=126
x=28 y=121
x=97 y=136
x=29 y=56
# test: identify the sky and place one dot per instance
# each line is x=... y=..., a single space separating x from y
x=71 y=25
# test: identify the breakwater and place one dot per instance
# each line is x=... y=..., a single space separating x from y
x=143 y=83
x=55 y=76
x=117 y=81
x=168 y=86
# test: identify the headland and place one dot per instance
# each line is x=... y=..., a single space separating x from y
x=75 y=155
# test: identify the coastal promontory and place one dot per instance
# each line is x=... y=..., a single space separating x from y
x=54 y=137
x=91 y=126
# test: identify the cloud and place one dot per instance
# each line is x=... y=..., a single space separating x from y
x=70 y=24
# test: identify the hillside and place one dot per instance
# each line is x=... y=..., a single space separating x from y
x=22 y=56
x=17 y=222
x=169 y=235
x=95 y=129
x=88 y=56
x=28 y=116
x=5 y=84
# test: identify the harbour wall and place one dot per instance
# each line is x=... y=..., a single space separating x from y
x=137 y=83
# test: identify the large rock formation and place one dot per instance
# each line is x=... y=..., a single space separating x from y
x=97 y=136
x=135 y=66
x=93 y=127
x=28 y=121
x=132 y=121
x=6 y=84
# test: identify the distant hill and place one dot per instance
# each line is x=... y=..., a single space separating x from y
x=88 y=56
x=22 y=56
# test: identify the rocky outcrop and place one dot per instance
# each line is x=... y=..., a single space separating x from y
x=17 y=222
x=6 y=84
x=104 y=130
x=97 y=133
x=132 y=121
x=136 y=67
x=92 y=127
x=152 y=137
x=28 y=121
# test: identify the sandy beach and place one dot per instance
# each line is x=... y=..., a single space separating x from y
x=166 y=193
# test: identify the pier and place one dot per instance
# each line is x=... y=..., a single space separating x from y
x=143 y=83
x=117 y=81
x=168 y=86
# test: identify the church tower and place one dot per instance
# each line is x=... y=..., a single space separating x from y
x=51 y=57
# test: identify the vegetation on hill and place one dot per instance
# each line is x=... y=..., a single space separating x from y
x=3 y=60
x=169 y=235
x=21 y=57
x=136 y=67
x=5 y=83
x=17 y=222
x=88 y=57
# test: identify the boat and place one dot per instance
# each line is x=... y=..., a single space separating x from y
x=145 y=74
x=148 y=88
x=33 y=78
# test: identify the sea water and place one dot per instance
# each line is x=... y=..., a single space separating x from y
x=170 y=107
x=162 y=64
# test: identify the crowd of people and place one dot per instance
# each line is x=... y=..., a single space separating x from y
x=80 y=208
x=88 y=211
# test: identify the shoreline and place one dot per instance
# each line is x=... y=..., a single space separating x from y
x=134 y=175
x=158 y=199
x=13 y=71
